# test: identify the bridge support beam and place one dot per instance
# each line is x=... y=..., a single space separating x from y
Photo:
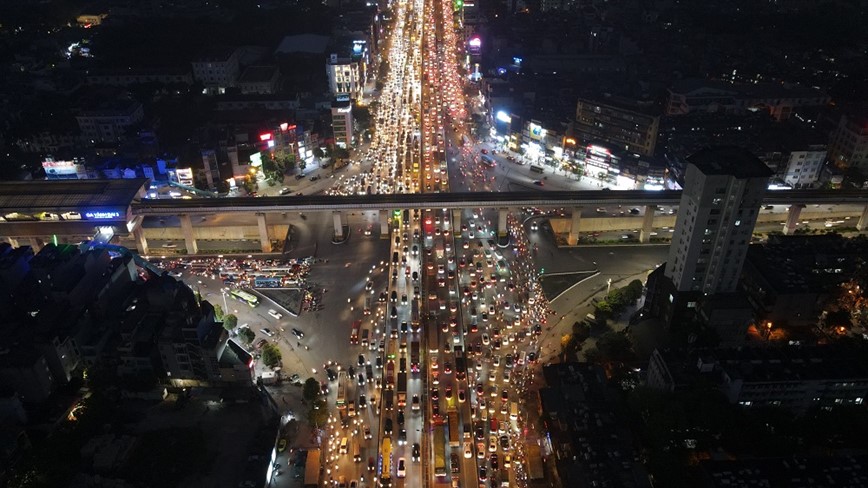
x=189 y=236
x=141 y=241
x=338 y=218
x=502 y=229
x=647 y=224
x=264 y=240
x=12 y=241
x=863 y=220
x=384 y=224
x=575 y=220
x=456 y=222
x=793 y=218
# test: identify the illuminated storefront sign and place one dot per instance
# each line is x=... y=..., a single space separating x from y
x=102 y=214
x=536 y=131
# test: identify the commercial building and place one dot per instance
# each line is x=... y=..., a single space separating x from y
x=342 y=123
x=841 y=471
x=107 y=120
x=722 y=195
x=695 y=95
x=848 y=142
x=802 y=169
x=798 y=378
x=630 y=127
x=344 y=76
x=217 y=70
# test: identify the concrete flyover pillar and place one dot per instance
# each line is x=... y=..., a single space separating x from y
x=575 y=220
x=264 y=240
x=339 y=224
x=36 y=244
x=141 y=241
x=384 y=224
x=793 y=218
x=12 y=241
x=189 y=236
x=502 y=229
x=863 y=220
x=456 y=222
x=647 y=224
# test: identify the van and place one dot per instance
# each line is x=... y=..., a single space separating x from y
x=365 y=336
x=395 y=257
x=513 y=410
x=344 y=444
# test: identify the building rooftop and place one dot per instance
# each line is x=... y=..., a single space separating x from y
x=304 y=44
x=795 y=472
x=68 y=195
x=258 y=74
x=729 y=160
x=215 y=54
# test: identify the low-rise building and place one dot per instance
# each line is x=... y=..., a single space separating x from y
x=217 y=69
x=626 y=124
x=107 y=120
x=259 y=80
x=342 y=123
x=779 y=100
x=848 y=142
x=344 y=77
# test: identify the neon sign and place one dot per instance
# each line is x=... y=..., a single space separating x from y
x=102 y=214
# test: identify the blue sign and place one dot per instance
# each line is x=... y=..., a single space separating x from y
x=102 y=214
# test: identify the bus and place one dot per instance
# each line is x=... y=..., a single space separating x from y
x=341 y=400
x=354 y=333
x=267 y=282
x=386 y=470
x=245 y=297
x=414 y=317
x=439 y=452
x=311 y=469
x=537 y=169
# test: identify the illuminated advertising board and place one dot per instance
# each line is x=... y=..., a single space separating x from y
x=102 y=214
x=536 y=131
x=474 y=45
x=184 y=176
x=63 y=170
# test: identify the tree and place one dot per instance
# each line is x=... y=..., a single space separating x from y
x=340 y=153
x=318 y=414
x=230 y=321
x=615 y=346
x=246 y=335
x=218 y=311
x=318 y=153
x=581 y=331
x=311 y=390
x=633 y=290
x=271 y=355
x=603 y=309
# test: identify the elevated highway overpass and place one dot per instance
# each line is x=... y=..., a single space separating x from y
x=73 y=210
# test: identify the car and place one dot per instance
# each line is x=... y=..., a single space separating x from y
x=504 y=396
x=448 y=392
x=297 y=333
x=492 y=376
x=483 y=473
x=275 y=314
x=402 y=467
x=415 y=402
x=402 y=437
x=330 y=373
x=267 y=332
x=480 y=450
x=394 y=297
x=435 y=394
x=382 y=298
x=538 y=183
x=314 y=178
x=387 y=428
x=485 y=339
x=461 y=396
x=504 y=442
x=400 y=418
x=492 y=443
x=299 y=177
x=416 y=453
x=362 y=361
x=363 y=401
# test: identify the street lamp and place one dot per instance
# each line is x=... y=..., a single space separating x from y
x=608 y=286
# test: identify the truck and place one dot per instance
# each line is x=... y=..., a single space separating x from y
x=414 y=356
x=354 y=333
x=534 y=462
x=415 y=316
x=402 y=390
x=311 y=469
x=454 y=436
x=341 y=400
x=439 y=452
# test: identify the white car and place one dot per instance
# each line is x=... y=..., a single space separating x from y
x=468 y=450
x=485 y=339
x=274 y=313
x=492 y=443
x=402 y=467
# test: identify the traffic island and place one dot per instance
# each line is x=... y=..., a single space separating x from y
x=342 y=239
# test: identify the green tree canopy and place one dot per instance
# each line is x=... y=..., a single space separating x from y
x=230 y=321
x=271 y=355
x=318 y=414
x=246 y=335
x=218 y=311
